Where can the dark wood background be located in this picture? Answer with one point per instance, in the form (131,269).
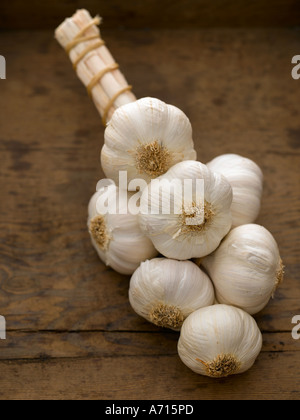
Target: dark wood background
(140,14)
(71,333)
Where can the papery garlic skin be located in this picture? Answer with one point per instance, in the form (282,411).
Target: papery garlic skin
(165,291)
(246,180)
(145,138)
(170,234)
(218,341)
(246,269)
(117,238)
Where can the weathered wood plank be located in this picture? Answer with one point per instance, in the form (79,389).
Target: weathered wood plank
(274,376)
(56,345)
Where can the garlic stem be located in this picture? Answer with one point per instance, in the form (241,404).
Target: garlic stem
(93,61)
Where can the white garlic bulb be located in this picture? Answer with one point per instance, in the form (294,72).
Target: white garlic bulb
(219,341)
(246,180)
(145,138)
(199,227)
(165,291)
(117,238)
(246,269)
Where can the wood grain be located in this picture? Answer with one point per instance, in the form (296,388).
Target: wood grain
(162,377)
(71,331)
(16,14)
(46,345)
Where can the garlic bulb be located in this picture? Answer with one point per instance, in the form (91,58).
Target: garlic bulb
(246,269)
(219,341)
(198,228)
(165,291)
(145,138)
(117,238)
(246,180)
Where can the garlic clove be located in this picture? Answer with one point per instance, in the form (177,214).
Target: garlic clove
(171,233)
(117,238)
(246,180)
(246,269)
(218,341)
(165,291)
(145,138)
(178,135)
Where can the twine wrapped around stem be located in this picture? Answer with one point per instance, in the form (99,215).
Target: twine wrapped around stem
(94,64)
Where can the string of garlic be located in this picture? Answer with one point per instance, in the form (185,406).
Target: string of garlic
(152,140)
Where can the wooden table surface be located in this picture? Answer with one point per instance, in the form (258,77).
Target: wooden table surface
(71,333)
